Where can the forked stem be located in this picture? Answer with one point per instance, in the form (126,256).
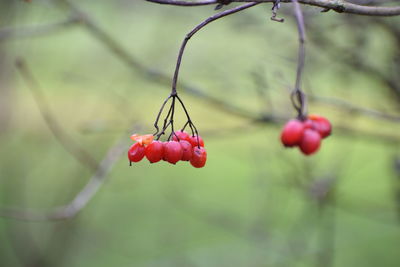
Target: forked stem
(159,114)
(169,119)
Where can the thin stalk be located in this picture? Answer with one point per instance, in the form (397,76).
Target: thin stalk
(195,30)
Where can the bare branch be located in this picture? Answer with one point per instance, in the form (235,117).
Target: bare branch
(340,6)
(103,37)
(184,3)
(30,31)
(78,152)
(371,2)
(81,199)
(95,182)
(350,107)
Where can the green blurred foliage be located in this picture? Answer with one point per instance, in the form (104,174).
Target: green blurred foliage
(255,203)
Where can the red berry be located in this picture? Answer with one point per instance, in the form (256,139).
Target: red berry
(180,135)
(309,124)
(155,151)
(196,141)
(136,152)
(321,125)
(292,133)
(173,152)
(310,142)
(187,150)
(164,149)
(199,157)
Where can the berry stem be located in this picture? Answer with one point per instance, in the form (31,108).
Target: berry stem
(298,97)
(195,30)
(191,125)
(159,114)
(166,123)
(172,118)
(169,119)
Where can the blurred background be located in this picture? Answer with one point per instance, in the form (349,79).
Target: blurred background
(78,78)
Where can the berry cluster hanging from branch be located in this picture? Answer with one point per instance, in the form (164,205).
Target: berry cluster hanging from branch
(179,145)
(306,131)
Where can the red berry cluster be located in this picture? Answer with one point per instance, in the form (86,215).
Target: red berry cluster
(182,147)
(306,134)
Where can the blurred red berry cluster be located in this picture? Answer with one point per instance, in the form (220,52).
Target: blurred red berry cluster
(182,147)
(306,134)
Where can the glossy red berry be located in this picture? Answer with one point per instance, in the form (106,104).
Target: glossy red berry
(196,141)
(136,152)
(310,142)
(180,135)
(321,125)
(173,152)
(199,157)
(309,124)
(164,149)
(292,133)
(154,151)
(187,150)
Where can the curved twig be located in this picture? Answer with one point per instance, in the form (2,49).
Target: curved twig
(77,151)
(196,29)
(31,31)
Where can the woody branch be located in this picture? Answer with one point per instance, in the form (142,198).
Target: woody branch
(340,6)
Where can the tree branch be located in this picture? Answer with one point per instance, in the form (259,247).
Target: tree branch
(77,151)
(30,31)
(340,6)
(351,108)
(184,3)
(80,200)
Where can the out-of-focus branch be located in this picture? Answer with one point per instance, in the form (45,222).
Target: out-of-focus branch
(371,2)
(396,183)
(340,6)
(31,31)
(357,62)
(78,152)
(103,37)
(351,108)
(81,199)
(100,170)
(262,89)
